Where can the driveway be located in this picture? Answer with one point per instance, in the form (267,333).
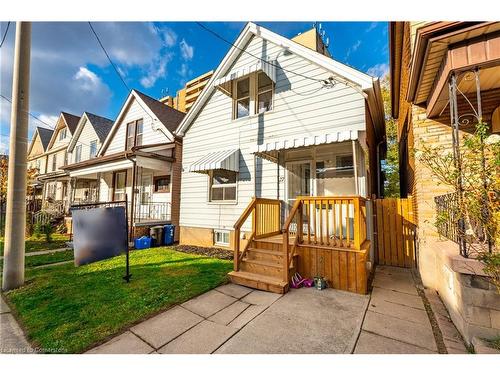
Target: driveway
(235,319)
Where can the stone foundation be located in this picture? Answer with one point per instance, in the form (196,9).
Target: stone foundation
(473,302)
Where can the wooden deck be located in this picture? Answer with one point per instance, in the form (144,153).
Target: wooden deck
(333,246)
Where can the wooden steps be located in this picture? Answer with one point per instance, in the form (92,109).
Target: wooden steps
(261,282)
(262,266)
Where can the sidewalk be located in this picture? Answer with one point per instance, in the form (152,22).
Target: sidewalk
(43,252)
(12,340)
(236,319)
(397,320)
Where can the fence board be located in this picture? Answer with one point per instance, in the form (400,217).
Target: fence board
(395,228)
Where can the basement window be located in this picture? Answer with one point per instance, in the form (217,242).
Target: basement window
(221,237)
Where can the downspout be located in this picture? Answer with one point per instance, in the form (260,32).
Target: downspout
(379,169)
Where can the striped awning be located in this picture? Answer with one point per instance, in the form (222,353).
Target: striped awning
(303,141)
(224,83)
(228,160)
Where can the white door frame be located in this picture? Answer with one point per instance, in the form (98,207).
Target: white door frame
(311,179)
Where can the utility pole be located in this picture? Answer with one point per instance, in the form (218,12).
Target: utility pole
(15,222)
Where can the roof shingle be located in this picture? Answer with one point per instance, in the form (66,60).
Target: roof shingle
(101,125)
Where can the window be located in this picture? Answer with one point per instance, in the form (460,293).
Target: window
(62,134)
(221,237)
(162,184)
(78,153)
(38,164)
(495,121)
(222,185)
(119,184)
(54,162)
(93,148)
(134,134)
(264,100)
(344,165)
(242,102)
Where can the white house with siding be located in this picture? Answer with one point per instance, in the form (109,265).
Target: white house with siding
(280,121)
(138,160)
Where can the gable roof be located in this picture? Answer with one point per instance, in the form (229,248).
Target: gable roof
(168,117)
(71,122)
(367,85)
(44,134)
(101,125)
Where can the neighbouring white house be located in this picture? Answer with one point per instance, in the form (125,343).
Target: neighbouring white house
(89,135)
(284,137)
(55,180)
(37,160)
(139,161)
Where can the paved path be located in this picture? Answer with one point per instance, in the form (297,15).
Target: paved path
(235,319)
(12,338)
(43,252)
(396,320)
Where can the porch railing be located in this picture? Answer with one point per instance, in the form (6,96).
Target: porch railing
(152,211)
(335,222)
(266,221)
(447,217)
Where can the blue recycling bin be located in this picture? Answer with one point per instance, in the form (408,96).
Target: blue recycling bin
(168,234)
(143,242)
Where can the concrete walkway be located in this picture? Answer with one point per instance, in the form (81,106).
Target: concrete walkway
(43,252)
(235,319)
(396,320)
(12,340)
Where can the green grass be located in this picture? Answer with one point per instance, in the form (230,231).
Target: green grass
(39,244)
(39,260)
(68,309)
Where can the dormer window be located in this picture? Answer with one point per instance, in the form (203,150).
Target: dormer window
(78,153)
(242,100)
(62,134)
(93,148)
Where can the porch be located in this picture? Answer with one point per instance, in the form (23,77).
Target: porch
(321,236)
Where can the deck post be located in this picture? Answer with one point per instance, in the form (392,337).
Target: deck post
(236,249)
(357,229)
(285,255)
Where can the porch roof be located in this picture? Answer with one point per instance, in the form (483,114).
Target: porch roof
(304,141)
(224,83)
(227,159)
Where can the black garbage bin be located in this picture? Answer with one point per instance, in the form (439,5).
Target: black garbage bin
(156,234)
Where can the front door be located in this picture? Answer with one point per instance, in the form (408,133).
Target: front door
(145,197)
(299,181)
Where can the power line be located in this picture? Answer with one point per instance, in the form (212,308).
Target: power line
(255,56)
(107,55)
(5,34)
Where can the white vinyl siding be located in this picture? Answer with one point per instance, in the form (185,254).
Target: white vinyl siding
(149,136)
(86,139)
(300,106)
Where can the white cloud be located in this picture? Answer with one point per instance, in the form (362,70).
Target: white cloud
(170,37)
(88,80)
(371,27)
(187,51)
(378,70)
(353,48)
(48,119)
(157,70)
(4,145)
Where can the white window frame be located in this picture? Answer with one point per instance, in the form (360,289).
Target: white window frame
(62,134)
(222,186)
(257,93)
(222,233)
(93,143)
(236,99)
(78,153)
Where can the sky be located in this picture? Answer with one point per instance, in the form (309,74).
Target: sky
(70,72)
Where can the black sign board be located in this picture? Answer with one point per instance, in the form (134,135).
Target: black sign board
(99,233)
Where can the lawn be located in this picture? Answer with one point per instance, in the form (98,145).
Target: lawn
(39,260)
(68,309)
(39,244)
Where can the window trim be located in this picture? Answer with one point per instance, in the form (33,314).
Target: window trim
(257,93)
(223,232)
(115,173)
(61,132)
(93,142)
(134,123)
(78,155)
(236,99)
(155,187)
(222,201)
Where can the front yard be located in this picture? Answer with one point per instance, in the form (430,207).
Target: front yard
(38,244)
(68,309)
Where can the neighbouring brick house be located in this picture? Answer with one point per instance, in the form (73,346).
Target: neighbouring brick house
(431,63)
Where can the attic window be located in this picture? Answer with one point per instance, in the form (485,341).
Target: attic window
(134,134)
(242,99)
(62,134)
(264,93)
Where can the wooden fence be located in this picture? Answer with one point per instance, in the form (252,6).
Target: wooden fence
(395,234)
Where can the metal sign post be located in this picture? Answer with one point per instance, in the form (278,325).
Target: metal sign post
(127,262)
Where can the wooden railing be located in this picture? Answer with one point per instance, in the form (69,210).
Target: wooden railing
(336,222)
(266,221)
